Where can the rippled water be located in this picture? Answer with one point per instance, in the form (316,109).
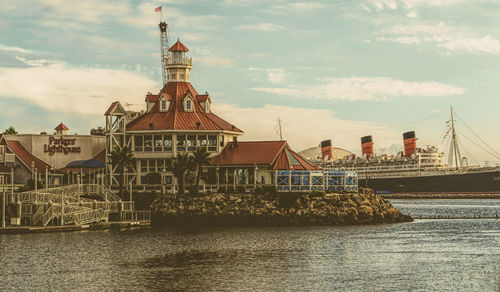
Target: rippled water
(445,255)
(449,208)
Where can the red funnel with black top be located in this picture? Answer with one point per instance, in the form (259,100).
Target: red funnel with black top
(410,143)
(326,150)
(367,146)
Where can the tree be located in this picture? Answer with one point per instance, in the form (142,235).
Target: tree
(200,157)
(123,159)
(98,132)
(180,166)
(43,133)
(10,130)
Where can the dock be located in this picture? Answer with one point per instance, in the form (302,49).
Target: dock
(69,208)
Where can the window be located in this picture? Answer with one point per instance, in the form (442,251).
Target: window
(152,166)
(138,143)
(148,143)
(168,179)
(1,149)
(207,106)
(181,143)
(158,143)
(202,141)
(163,105)
(191,142)
(144,165)
(212,143)
(188,105)
(167,142)
(159,165)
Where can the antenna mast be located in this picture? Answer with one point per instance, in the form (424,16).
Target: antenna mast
(454,137)
(164,49)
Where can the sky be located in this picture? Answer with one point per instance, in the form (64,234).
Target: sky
(332,69)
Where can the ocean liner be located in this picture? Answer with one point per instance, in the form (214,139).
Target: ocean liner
(415,169)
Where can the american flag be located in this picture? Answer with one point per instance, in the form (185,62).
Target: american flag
(158,9)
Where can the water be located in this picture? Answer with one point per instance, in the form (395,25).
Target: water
(446,255)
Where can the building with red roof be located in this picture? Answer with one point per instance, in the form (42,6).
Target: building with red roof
(255,162)
(175,120)
(46,155)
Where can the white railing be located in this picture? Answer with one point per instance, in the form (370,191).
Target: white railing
(85,216)
(137,216)
(180,61)
(38,214)
(7,158)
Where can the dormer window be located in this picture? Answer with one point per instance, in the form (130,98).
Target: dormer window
(163,105)
(188,105)
(207,106)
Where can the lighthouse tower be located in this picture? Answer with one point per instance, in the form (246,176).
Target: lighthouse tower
(177,65)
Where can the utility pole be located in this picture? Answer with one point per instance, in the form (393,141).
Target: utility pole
(279,124)
(454,137)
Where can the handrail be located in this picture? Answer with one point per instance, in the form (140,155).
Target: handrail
(47,216)
(38,214)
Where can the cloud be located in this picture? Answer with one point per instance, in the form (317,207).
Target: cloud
(276,75)
(14,49)
(365,88)
(262,27)
(213,61)
(56,86)
(301,126)
(380,5)
(446,37)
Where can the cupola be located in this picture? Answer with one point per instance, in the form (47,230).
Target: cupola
(178,65)
(61,129)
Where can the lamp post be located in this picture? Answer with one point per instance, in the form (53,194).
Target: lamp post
(163,182)
(36,181)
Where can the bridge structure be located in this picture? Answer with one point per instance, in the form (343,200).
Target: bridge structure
(76,204)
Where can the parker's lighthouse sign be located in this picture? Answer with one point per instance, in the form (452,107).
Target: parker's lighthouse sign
(61,145)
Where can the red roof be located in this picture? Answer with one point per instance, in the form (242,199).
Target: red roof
(176,118)
(276,154)
(151,97)
(178,47)
(203,97)
(110,108)
(25,156)
(61,127)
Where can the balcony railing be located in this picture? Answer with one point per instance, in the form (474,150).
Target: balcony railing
(7,158)
(180,61)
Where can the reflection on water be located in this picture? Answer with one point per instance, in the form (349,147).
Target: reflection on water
(422,255)
(449,208)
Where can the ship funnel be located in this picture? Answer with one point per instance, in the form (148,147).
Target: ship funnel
(367,146)
(326,150)
(410,143)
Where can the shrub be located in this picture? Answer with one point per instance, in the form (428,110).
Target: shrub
(317,194)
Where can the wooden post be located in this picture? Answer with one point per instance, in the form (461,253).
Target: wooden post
(46,176)
(36,181)
(130,191)
(3,204)
(12,184)
(62,208)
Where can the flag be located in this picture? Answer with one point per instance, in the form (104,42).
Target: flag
(158,9)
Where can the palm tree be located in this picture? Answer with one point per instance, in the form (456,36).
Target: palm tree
(200,157)
(180,165)
(123,159)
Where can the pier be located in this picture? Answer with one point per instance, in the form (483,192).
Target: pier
(70,207)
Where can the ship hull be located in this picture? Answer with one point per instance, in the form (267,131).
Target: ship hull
(466,182)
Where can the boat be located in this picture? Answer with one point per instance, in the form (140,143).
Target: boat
(415,169)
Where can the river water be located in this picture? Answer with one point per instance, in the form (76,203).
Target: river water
(445,255)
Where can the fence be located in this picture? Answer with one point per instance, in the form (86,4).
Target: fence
(316,180)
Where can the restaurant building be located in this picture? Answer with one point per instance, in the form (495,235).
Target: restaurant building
(46,156)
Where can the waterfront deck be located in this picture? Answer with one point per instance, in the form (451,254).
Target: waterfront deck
(71,207)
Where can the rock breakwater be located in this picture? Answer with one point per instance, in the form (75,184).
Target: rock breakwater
(277,209)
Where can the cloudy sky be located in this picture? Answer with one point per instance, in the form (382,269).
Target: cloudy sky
(328,69)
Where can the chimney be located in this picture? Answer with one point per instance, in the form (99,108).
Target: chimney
(326,150)
(410,143)
(235,141)
(367,146)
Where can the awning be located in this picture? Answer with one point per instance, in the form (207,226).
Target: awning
(91,163)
